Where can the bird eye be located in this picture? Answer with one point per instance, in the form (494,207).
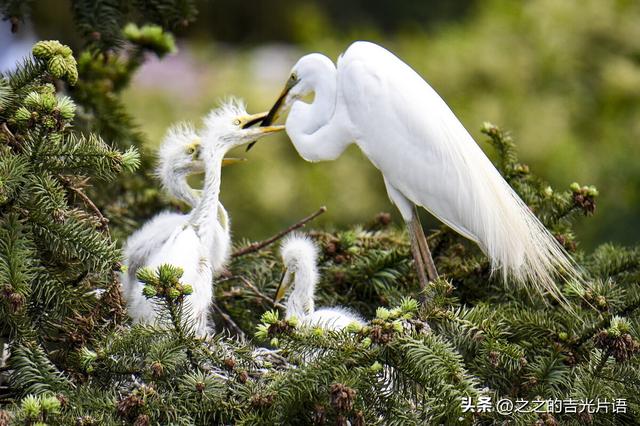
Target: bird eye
(191,150)
(293,77)
(236,122)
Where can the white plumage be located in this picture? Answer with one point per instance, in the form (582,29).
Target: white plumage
(178,157)
(299,255)
(198,242)
(426,156)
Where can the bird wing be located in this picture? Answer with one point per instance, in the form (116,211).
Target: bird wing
(183,248)
(405,129)
(335,318)
(148,239)
(425,153)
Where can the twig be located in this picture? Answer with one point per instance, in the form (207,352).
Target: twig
(11,138)
(103,220)
(258,292)
(232,324)
(262,244)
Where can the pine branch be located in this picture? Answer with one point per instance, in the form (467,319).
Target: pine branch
(104,221)
(260,245)
(606,322)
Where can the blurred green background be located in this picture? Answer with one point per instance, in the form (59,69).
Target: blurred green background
(563,76)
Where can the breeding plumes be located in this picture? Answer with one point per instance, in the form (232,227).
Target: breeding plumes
(426,156)
(199,241)
(299,256)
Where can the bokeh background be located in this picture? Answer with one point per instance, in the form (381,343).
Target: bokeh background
(563,76)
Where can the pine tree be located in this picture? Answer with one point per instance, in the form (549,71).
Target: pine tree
(54,244)
(68,196)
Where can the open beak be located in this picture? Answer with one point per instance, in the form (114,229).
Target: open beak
(252,134)
(274,112)
(231,161)
(285,281)
(253,119)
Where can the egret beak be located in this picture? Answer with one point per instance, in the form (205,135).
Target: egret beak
(231,161)
(285,281)
(253,119)
(274,112)
(252,134)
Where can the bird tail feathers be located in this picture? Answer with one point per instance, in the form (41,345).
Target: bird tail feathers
(516,242)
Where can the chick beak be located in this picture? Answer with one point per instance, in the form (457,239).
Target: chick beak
(255,133)
(231,161)
(282,287)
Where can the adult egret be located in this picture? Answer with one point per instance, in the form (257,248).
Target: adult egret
(199,244)
(426,156)
(299,256)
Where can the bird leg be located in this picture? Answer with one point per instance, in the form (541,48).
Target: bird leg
(424,247)
(417,257)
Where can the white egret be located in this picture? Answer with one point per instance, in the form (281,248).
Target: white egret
(178,158)
(426,156)
(200,243)
(299,256)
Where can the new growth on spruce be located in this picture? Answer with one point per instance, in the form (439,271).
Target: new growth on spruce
(55,248)
(68,198)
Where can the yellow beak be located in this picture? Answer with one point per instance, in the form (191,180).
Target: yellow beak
(231,161)
(282,287)
(253,119)
(274,112)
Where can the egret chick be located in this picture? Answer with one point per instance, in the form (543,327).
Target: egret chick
(299,255)
(178,157)
(200,243)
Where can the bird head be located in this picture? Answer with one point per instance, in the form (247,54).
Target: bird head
(179,154)
(299,255)
(229,126)
(301,83)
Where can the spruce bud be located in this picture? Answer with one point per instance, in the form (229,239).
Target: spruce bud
(149,291)
(57,66)
(47,48)
(22,114)
(376,367)
(50,404)
(382,313)
(31,406)
(66,107)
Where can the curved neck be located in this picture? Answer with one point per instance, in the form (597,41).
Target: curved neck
(181,190)
(313,116)
(301,303)
(206,211)
(313,128)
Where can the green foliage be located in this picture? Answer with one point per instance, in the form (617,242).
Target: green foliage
(54,248)
(75,360)
(150,37)
(101,21)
